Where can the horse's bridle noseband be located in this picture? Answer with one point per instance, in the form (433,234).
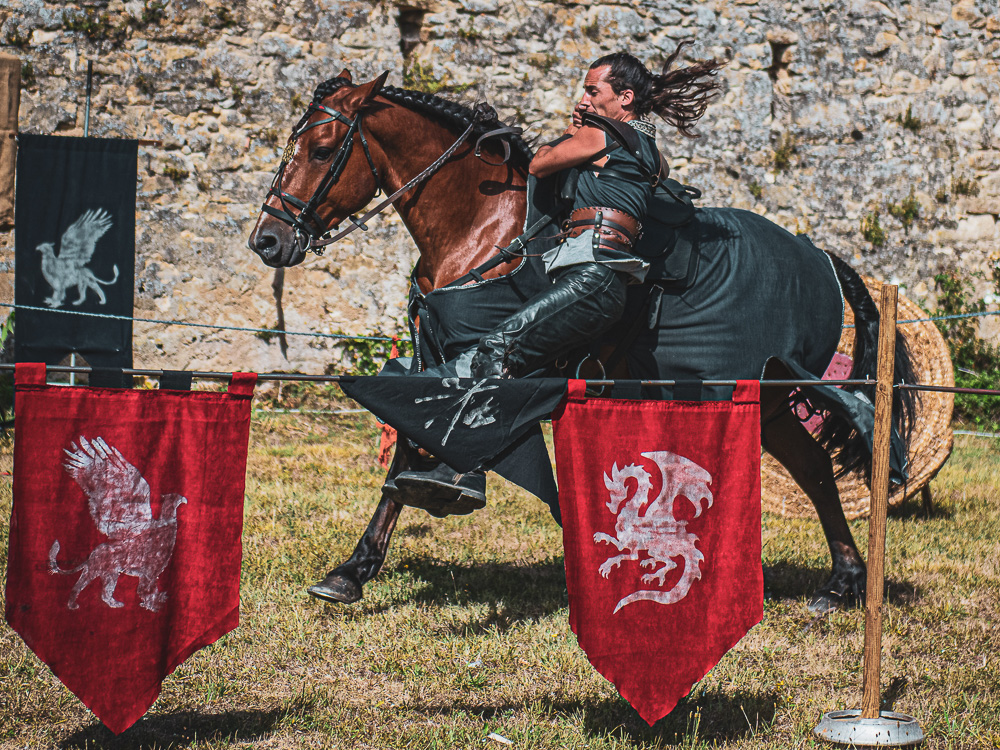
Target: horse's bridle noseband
(310,230)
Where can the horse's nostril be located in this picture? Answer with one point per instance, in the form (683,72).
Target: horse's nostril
(265,241)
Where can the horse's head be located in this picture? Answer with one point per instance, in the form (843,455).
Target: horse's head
(326,174)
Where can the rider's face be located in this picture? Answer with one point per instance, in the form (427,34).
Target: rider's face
(600,98)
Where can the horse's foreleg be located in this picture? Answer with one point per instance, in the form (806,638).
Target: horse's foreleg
(343,583)
(790,443)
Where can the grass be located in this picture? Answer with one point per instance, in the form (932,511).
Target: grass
(465,633)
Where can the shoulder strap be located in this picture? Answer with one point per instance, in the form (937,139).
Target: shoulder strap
(620,132)
(625,137)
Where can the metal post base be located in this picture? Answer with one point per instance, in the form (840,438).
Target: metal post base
(889,730)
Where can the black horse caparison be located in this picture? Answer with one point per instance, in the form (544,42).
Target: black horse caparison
(358,139)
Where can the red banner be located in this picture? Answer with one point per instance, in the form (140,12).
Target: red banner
(660,503)
(387,437)
(125,548)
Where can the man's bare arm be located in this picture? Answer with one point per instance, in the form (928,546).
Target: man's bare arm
(583,145)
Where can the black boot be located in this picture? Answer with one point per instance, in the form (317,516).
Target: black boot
(584,301)
(437,488)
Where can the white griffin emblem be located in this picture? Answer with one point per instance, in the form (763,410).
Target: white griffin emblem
(75,251)
(656,531)
(138,545)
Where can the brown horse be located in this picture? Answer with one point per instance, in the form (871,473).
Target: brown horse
(358,139)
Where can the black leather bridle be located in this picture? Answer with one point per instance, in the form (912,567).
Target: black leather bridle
(310,230)
(309,227)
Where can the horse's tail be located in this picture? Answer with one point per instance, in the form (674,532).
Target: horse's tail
(837,434)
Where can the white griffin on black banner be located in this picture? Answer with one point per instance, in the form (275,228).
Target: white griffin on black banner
(69,267)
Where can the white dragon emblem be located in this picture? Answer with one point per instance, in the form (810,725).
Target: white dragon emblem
(75,251)
(138,545)
(656,531)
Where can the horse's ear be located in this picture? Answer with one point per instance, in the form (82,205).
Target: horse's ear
(345,73)
(367,91)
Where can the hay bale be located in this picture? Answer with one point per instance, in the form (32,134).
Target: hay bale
(930,444)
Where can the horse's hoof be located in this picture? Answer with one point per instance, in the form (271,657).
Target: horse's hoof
(836,595)
(336,588)
(824,602)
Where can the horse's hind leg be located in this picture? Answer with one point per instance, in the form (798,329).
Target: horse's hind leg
(343,583)
(790,443)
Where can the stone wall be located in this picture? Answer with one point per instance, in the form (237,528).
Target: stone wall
(831,112)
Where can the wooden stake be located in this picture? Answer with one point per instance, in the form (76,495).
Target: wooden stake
(879,502)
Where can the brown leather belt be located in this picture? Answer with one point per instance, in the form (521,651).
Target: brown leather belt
(613,229)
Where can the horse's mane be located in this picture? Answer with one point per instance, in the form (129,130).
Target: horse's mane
(453,115)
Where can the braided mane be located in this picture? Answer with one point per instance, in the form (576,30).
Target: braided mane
(453,115)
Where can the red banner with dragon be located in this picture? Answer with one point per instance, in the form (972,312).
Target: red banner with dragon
(660,503)
(125,548)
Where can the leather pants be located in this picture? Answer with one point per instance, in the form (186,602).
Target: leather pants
(585,300)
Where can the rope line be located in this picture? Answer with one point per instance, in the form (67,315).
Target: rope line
(943,317)
(347,337)
(269,331)
(306,378)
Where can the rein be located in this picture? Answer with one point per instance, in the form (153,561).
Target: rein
(309,228)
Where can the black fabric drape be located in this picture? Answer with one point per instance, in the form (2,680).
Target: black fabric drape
(74,248)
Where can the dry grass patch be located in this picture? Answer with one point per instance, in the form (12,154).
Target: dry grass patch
(465,631)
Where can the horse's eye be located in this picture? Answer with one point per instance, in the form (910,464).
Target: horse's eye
(322,154)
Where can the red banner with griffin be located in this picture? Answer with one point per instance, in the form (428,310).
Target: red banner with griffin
(660,503)
(125,547)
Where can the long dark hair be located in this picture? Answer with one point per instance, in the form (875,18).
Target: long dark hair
(678,96)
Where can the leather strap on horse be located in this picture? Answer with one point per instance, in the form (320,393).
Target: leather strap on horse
(431,169)
(511,252)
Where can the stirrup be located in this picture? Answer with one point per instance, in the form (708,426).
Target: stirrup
(590,391)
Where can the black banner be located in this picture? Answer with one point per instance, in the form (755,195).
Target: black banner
(74,235)
(462,421)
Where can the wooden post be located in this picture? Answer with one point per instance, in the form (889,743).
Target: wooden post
(10,99)
(879,502)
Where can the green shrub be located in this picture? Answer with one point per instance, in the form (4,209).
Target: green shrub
(907,211)
(152,12)
(963,185)
(15,38)
(175,173)
(28,75)
(366,356)
(783,152)
(871,229)
(908,121)
(96,26)
(6,378)
(977,363)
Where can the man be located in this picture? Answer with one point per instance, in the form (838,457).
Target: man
(595,262)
